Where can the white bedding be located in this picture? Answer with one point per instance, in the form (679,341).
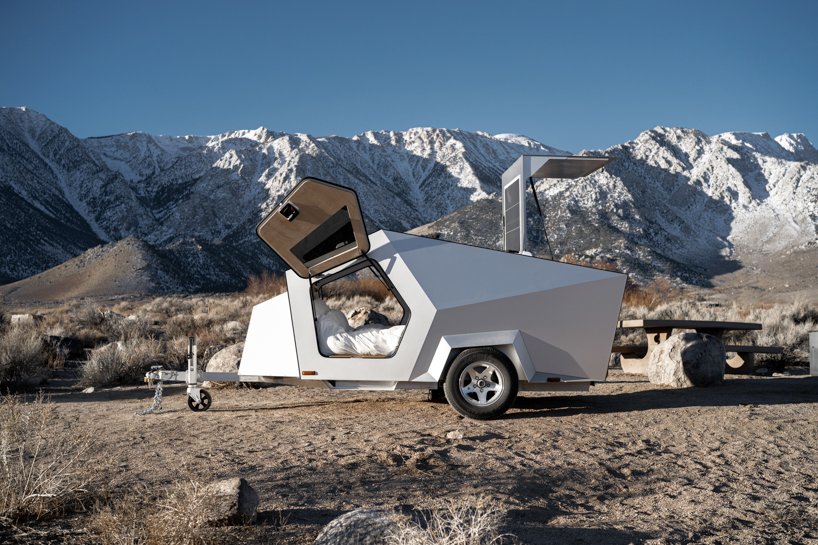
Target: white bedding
(335,336)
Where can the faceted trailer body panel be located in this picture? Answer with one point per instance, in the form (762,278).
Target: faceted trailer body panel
(553,321)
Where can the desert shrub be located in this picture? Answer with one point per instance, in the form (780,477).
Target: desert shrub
(183,325)
(651,295)
(176,353)
(23,358)
(125,362)
(87,323)
(267,283)
(802,313)
(179,517)
(787,326)
(457,523)
(43,465)
(131,328)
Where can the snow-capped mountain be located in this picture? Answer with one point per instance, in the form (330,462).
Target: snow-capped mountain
(199,198)
(676,201)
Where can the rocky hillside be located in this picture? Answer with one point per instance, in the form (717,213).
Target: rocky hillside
(675,202)
(198,199)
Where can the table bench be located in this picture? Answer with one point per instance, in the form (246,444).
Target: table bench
(657,331)
(744,358)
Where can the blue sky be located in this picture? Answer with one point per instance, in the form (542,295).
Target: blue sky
(573,75)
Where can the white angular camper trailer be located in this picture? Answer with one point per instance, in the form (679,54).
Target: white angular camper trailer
(479,324)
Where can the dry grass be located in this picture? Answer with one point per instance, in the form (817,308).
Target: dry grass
(458,523)
(651,295)
(121,523)
(267,284)
(180,517)
(24,358)
(367,287)
(44,467)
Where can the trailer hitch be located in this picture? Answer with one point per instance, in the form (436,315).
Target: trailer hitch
(154,376)
(197,398)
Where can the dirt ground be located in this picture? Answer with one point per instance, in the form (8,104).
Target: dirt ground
(628,462)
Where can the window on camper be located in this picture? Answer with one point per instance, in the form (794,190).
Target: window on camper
(358,312)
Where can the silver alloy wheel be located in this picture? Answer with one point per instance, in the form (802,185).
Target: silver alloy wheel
(480,383)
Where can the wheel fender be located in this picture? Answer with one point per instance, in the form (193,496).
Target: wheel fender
(509,343)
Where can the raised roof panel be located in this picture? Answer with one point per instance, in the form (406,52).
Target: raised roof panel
(316,227)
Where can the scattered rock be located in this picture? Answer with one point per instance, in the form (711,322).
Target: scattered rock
(230,502)
(455,435)
(364,316)
(26,319)
(360,527)
(89,390)
(688,359)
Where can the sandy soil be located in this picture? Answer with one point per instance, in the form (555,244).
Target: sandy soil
(629,462)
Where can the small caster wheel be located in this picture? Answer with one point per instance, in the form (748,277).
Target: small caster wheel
(202,405)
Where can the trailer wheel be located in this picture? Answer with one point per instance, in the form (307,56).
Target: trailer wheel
(481,383)
(203,404)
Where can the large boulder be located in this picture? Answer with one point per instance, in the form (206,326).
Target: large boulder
(688,359)
(224,361)
(230,502)
(360,527)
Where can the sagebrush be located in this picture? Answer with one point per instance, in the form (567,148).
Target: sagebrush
(44,464)
(124,362)
(24,358)
(461,522)
(179,517)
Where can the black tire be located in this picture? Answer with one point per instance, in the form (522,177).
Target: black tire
(202,405)
(481,383)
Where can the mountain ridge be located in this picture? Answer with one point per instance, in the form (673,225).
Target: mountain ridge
(676,201)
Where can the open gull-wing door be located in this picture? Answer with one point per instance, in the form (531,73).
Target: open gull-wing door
(316,227)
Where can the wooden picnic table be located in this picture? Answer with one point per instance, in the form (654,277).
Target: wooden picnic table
(657,331)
